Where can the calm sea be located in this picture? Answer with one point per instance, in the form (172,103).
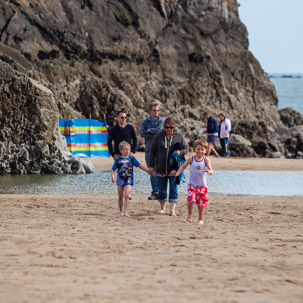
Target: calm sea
(289,89)
(256,183)
(290,93)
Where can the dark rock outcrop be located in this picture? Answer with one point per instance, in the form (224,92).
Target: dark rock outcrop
(290,117)
(240,146)
(98,56)
(292,140)
(30,138)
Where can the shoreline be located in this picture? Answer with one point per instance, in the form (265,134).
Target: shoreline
(231,176)
(228,164)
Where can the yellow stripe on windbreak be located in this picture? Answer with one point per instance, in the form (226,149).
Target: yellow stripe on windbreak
(87,148)
(75,128)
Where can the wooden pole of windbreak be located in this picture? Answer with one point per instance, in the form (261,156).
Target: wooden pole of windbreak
(89,134)
(69,133)
(104,117)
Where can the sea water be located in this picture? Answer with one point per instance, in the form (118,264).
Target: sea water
(257,183)
(289,88)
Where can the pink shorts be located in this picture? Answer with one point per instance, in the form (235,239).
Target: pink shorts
(197,194)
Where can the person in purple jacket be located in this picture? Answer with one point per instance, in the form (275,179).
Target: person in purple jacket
(224,130)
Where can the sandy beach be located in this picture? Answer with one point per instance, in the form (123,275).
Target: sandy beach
(76,248)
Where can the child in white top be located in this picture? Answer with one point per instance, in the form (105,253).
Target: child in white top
(197,189)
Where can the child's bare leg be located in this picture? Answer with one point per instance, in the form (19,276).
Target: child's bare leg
(172,207)
(215,152)
(126,193)
(163,206)
(201,210)
(120,199)
(190,211)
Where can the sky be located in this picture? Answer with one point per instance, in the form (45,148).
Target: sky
(275,33)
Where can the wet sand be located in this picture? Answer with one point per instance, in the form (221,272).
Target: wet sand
(76,248)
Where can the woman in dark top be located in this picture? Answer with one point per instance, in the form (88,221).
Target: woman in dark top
(163,145)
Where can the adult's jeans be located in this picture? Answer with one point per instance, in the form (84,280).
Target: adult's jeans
(224,147)
(173,189)
(153,178)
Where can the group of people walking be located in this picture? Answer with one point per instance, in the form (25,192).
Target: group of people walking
(165,151)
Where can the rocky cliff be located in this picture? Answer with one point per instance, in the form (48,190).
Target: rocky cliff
(30,139)
(95,57)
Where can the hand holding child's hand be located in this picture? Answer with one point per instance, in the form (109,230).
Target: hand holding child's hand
(174,173)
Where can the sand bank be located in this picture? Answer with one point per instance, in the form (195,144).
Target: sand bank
(75,248)
(258,164)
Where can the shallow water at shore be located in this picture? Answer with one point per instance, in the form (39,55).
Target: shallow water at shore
(256,183)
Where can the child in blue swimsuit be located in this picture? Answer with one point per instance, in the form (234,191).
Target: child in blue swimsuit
(125,175)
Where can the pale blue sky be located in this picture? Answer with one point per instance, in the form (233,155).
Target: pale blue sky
(275,33)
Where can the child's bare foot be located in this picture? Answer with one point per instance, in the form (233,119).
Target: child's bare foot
(173,214)
(126,215)
(121,213)
(189,219)
(162,211)
(200,222)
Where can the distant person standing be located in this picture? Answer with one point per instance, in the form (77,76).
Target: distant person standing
(149,128)
(121,132)
(224,130)
(212,133)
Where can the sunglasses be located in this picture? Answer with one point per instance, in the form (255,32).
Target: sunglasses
(124,117)
(156,110)
(171,127)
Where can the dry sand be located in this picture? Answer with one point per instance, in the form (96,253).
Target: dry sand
(76,248)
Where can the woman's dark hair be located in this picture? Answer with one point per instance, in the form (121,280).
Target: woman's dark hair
(169,122)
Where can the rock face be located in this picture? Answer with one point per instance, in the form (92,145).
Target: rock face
(30,138)
(290,117)
(97,57)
